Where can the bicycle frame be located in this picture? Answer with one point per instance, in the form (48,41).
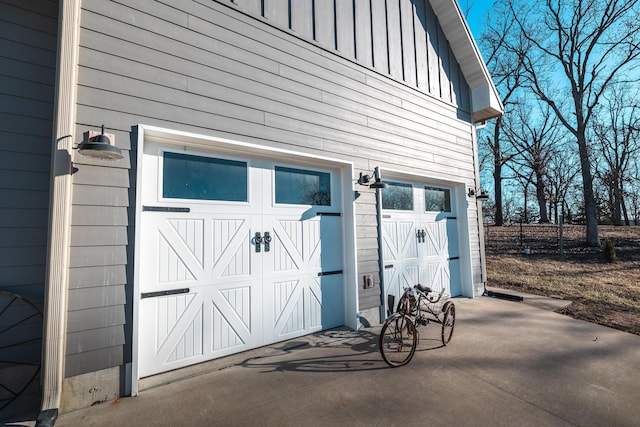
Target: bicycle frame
(418,304)
(399,334)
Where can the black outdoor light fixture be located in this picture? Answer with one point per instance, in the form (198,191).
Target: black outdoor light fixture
(365,179)
(482,196)
(100,147)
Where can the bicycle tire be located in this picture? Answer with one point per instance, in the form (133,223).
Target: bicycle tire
(20,327)
(398,340)
(448,322)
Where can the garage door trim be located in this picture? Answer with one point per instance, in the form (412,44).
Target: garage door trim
(459,200)
(164,136)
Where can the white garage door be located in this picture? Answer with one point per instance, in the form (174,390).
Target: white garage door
(236,253)
(420,238)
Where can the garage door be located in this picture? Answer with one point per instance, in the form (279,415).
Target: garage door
(420,238)
(236,253)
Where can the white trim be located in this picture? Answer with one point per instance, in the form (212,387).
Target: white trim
(135,376)
(174,137)
(57,278)
(168,136)
(464,240)
(478,203)
(412,176)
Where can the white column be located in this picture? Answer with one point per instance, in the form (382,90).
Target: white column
(57,278)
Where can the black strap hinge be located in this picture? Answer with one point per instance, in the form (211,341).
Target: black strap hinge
(164,293)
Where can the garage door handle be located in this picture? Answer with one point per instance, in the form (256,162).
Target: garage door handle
(257,238)
(267,241)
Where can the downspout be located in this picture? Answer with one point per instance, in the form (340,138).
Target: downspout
(383,287)
(57,276)
(476,167)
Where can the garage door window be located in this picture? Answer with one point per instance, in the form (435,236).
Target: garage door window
(186,176)
(302,187)
(398,196)
(437,199)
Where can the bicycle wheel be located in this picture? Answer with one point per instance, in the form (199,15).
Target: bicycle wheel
(20,344)
(398,340)
(448,322)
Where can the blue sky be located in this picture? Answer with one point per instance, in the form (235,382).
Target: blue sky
(477,16)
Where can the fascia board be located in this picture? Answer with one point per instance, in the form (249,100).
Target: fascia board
(484,93)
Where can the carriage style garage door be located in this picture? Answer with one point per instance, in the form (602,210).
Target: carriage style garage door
(236,253)
(420,238)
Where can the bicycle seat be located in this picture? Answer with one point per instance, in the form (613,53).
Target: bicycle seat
(424,289)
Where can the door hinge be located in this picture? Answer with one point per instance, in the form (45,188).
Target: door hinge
(164,209)
(164,293)
(329,273)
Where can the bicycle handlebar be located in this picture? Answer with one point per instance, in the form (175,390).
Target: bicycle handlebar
(424,289)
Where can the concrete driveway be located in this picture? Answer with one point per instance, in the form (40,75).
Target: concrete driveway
(509,364)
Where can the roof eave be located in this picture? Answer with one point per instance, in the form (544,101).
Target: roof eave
(485,99)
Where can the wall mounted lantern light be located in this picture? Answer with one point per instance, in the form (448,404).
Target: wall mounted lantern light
(365,179)
(482,196)
(99,147)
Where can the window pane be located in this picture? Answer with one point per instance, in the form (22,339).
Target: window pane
(302,187)
(397,196)
(186,176)
(437,199)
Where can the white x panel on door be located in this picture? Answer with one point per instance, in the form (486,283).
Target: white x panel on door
(419,246)
(218,277)
(203,264)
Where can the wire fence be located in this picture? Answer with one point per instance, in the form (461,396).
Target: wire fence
(530,238)
(553,239)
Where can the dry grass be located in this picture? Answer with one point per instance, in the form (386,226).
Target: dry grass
(601,292)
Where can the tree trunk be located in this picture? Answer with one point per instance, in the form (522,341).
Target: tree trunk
(497,189)
(617,203)
(526,213)
(625,213)
(542,200)
(590,209)
(497,173)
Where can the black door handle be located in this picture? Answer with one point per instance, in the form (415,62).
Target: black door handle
(267,241)
(258,240)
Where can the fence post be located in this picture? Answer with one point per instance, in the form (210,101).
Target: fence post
(521,233)
(561,236)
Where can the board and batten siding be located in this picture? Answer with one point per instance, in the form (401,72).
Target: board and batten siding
(399,38)
(211,69)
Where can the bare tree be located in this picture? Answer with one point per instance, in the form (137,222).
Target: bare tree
(535,133)
(561,174)
(502,46)
(523,179)
(580,47)
(466,8)
(616,129)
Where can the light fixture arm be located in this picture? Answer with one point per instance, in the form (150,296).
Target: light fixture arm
(365,179)
(481,195)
